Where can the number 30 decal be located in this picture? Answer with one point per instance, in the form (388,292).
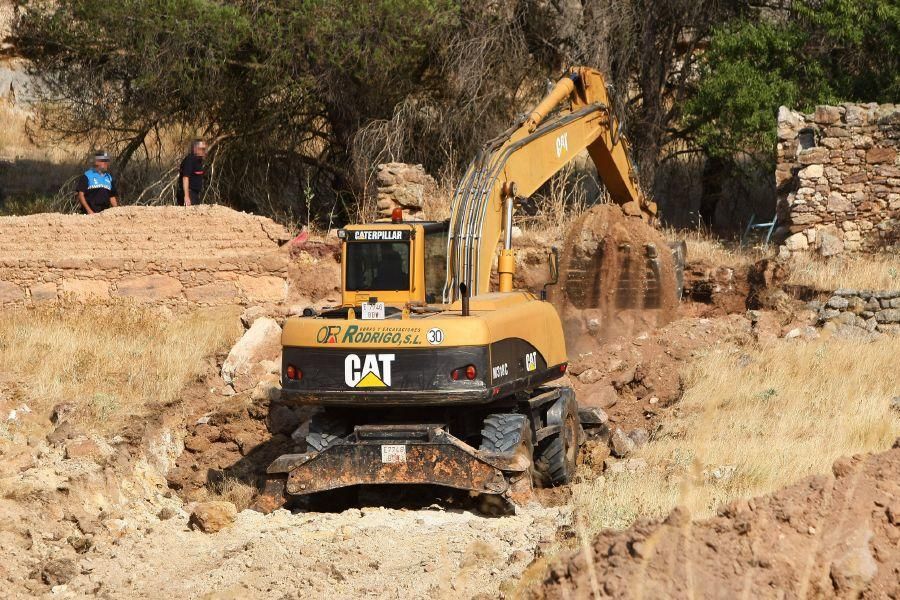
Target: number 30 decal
(435,336)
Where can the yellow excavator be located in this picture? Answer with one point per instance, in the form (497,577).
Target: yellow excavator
(424,374)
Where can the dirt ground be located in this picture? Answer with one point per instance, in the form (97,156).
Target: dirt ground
(834,535)
(108,515)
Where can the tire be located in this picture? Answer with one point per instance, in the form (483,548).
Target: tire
(503,433)
(557,456)
(509,434)
(324,430)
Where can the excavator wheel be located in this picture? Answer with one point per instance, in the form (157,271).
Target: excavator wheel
(504,433)
(557,456)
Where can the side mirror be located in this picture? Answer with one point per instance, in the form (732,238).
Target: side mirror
(553,263)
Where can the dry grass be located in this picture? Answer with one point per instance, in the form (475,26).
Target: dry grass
(230,489)
(763,418)
(111,362)
(878,272)
(703,247)
(557,209)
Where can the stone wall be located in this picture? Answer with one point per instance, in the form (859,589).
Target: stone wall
(206,255)
(403,186)
(838,178)
(870,310)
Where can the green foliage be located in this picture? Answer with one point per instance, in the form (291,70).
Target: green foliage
(827,51)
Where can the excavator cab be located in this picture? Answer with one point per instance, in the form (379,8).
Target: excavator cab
(397,263)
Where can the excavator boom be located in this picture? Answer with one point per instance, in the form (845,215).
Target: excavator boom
(516,163)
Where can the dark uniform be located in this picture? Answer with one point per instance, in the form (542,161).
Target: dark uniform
(192,168)
(97,188)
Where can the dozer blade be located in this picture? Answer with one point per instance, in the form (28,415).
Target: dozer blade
(416,454)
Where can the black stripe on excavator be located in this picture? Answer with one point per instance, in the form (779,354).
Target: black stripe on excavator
(343,377)
(514,358)
(369,371)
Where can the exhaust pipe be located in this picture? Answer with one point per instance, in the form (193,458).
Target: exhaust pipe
(464,293)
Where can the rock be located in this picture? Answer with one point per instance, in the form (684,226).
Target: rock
(639,436)
(196,443)
(603,396)
(261,342)
(282,419)
(62,412)
(271,366)
(854,569)
(62,433)
(890,315)
(621,444)
(812,172)
(593,416)
(590,376)
(827,314)
(251,314)
(58,571)
(796,242)
(82,448)
(79,543)
(838,203)
(827,115)
(895,403)
(829,243)
(881,155)
(267,390)
(165,513)
(789,123)
(838,302)
(212,517)
(813,156)
(807,333)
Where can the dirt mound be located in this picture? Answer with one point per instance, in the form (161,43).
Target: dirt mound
(827,536)
(617,275)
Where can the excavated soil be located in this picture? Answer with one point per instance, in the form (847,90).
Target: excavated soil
(617,277)
(828,536)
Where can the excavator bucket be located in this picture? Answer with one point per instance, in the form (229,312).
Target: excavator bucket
(618,275)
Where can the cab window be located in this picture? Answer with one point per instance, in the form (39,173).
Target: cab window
(377,266)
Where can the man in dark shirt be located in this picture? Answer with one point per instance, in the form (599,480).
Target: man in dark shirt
(96,189)
(190,175)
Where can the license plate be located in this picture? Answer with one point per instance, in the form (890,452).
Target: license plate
(393,453)
(372,311)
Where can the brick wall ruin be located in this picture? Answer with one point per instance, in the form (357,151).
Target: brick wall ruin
(399,185)
(838,178)
(869,310)
(206,255)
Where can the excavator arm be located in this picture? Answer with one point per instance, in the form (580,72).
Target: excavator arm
(516,163)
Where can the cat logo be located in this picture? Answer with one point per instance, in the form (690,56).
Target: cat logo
(371,371)
(531,361)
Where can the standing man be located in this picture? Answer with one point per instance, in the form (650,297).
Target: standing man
(190,175)
(96,189)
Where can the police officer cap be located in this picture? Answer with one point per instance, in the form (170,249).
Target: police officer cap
(101,155)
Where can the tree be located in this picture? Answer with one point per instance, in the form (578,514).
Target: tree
(824,51)
(280,86)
